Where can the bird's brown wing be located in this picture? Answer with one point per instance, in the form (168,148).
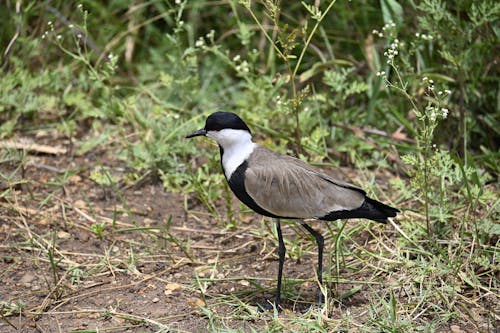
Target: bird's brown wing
(286,186)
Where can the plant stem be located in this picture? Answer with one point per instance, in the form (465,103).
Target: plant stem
(276,48)
(309,38)
(426,187)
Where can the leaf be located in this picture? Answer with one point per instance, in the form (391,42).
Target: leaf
(91,143)
(391,11)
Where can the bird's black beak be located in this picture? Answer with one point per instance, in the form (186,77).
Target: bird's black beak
(197,133)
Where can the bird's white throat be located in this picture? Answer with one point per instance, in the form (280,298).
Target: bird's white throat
(237,146)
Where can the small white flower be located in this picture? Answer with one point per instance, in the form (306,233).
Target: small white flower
(425,78)
(71,26)
(380,34)
(445,112)
(79,36)
(432,115)
(181,23)
(440,92)
(244,66)
(447,91)
(417,34)
(80,6)
(236,58)
(211,34)
(177,2)
(200,42)
(49,23)
(59,37)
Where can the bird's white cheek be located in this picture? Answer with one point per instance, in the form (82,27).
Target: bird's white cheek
(212,135)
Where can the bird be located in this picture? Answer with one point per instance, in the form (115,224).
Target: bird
(284,187)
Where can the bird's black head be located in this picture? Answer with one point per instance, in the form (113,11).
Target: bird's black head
(221,120)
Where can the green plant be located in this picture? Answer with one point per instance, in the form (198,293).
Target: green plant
(56,290)
(287,41)
(98,229)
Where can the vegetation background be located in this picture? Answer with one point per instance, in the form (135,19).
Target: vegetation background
(405,92)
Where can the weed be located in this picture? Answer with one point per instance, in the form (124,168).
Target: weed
(98,229)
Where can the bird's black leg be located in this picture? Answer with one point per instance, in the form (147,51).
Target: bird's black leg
(281,254)
(320,241)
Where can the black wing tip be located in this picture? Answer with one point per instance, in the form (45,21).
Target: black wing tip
(378,211)
(370,209)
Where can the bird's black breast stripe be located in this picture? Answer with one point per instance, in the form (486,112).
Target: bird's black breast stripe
(237,185)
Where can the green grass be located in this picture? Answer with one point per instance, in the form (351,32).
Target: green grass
(401,97)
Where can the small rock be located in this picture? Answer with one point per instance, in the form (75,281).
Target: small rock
(173,286)
(456,329)
(75,179)
(43,222)
(82,235)
(27,279)
(80,204)
(63,234)
(195,301)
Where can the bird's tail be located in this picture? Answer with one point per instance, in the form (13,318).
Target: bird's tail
(376,211)
(370,209)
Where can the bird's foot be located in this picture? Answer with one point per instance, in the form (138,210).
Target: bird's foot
(321,299)
(268,306)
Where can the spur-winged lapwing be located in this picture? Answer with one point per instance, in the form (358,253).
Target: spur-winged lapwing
(282,186)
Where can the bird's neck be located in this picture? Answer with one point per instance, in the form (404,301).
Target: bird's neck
(234,152)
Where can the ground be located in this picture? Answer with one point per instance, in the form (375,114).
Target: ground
(79,257)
